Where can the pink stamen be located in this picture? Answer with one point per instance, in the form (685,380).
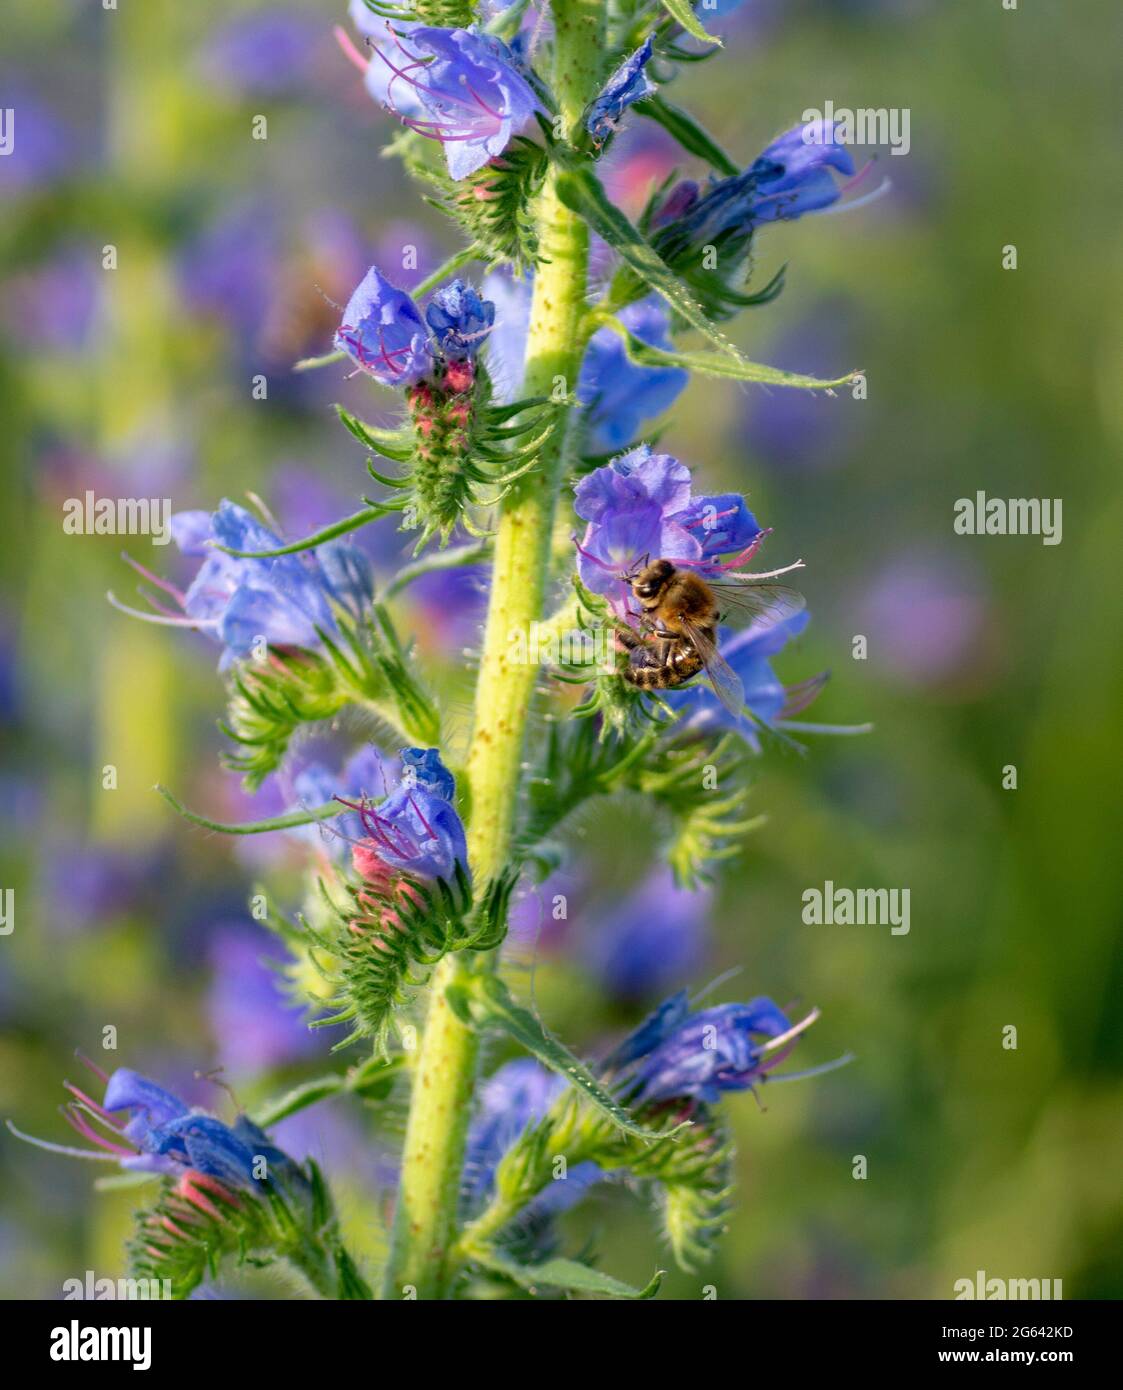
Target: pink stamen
(164,584)
(344,40)
(97,1071)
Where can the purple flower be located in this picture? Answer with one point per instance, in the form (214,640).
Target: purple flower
(618,395)
(748,653)
(519,1093)
(679,1055)
(472,97)
(148,1129)
(628,84)
(460,320)
(790,178)
(651,940)
(641,505)
(793,174)
(261,53)
(416,830)
(253,1023)
(238,601)
(383,332)
(361,778)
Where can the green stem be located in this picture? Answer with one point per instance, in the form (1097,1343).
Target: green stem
(445,1074)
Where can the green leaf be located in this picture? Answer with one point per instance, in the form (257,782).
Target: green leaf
(683,12)
(582,192)
(373,511)
(715,364)
(559,1273)
(689,134)
(258,827)
(392,444)
(488,1001)
(371,1079)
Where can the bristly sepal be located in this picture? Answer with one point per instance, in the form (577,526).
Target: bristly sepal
(198,1224)
(457,446)
(493,206)
(272,697)
(379,937)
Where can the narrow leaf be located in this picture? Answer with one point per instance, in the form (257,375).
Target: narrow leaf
(683,12)
(715,364)
(689,134)
(582,192)
(391,444)
(371,512)
(560,1273)
(488,1000)
(259,827)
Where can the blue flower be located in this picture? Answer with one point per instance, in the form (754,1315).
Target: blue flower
(513,1097)
(460,320)
(619,395)
(748,652)
(650,940)
(361,778)
(383,332)
(793,174)
(416,830)
(473,99)
(506,343)
(790,178)
(679,1055)
(628,84)
(641,505)
(148,1129)
(287,600)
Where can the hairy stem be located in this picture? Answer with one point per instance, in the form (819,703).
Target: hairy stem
(445,1074)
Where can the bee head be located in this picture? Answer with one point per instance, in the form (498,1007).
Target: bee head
(649,582)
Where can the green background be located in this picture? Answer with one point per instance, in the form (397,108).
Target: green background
(983,652)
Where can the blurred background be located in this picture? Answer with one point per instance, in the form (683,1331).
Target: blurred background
(134,129)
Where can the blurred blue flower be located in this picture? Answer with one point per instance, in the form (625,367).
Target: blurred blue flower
(460,320)
(679,1055)
(362,777)
(264,53)
(641,505)
(628,84)
(618,395)
(416,830)
(748,652)
(254,1024)
(471,95)
(650,940)
(511,1098)
(383,332)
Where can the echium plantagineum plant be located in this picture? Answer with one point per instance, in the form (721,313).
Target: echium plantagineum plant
(418,847)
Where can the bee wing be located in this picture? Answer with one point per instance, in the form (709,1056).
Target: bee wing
(725,681)
(764,604)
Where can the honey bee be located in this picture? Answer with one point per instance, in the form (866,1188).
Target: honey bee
(680,614)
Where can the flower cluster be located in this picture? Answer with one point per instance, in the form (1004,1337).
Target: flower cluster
(641,506)
(289,601)
(385,335)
